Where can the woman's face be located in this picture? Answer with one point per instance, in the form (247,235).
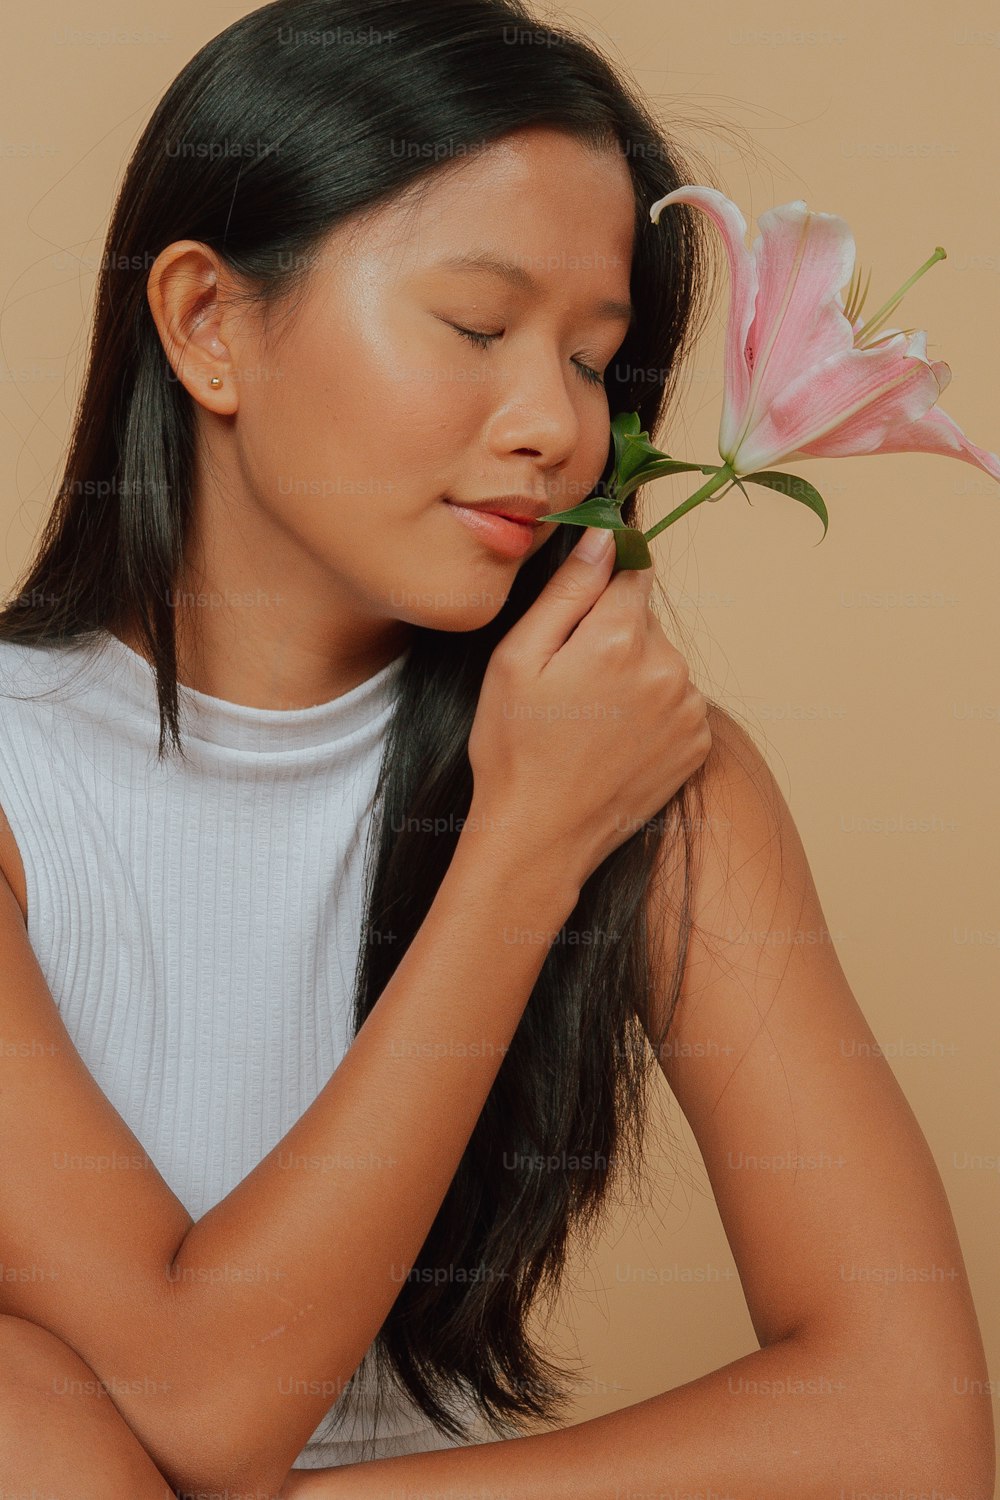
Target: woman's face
(367,406)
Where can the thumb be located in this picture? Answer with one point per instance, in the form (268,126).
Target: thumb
(573,589)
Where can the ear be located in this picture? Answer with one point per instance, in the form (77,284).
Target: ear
(182,290)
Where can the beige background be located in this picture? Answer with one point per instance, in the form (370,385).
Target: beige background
(866,667)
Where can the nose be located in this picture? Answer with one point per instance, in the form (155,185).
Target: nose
(536,414)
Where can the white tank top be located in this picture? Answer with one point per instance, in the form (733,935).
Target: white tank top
(198,924)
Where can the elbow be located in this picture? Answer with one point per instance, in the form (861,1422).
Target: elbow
(225,1480)
(208,1442)
(239,1481)
(967,1463)
(209,1460)
(231,1488)
(956,1458)
(965,1433)
(891,1455)
(920,1412)
(908,1430)
(966,1469)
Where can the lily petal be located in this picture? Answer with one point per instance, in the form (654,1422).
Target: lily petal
(742,295)
(803,260)
(855,402)
(936,432)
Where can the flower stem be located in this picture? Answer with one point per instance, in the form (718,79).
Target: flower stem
(719,478)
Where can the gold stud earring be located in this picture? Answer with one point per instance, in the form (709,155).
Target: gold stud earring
(216,381)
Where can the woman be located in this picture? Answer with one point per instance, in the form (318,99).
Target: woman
(446,758)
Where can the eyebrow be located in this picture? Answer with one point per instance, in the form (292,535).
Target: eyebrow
(510,271)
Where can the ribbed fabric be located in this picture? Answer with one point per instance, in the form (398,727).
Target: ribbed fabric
(199,924)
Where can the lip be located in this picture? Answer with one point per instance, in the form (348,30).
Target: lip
(512,507)
(508,537)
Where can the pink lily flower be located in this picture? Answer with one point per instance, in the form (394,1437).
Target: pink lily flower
(804,376)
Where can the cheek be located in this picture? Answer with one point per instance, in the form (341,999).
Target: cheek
(376,406)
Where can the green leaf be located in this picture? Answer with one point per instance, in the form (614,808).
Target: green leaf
(631,550)
(799,489)
(597,511)
(637,453)
(654,470)
(633,450)
(623,425)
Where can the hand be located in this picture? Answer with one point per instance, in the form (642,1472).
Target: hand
(587,721)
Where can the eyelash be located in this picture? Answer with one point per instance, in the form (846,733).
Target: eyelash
(483,341)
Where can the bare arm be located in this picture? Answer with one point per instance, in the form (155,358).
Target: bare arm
(199,1354)
(405,1098)
(804,1418)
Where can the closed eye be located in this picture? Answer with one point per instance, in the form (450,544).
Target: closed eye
(483,341)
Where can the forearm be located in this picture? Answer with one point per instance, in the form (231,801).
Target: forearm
(794,1421)
(331,1243)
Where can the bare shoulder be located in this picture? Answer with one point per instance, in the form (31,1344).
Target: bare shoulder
(743,812)
(751,900)
(735,763)
(732,802)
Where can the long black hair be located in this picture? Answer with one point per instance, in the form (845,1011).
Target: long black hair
(568,1106)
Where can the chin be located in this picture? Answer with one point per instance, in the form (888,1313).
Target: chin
(469,612)
(457,607)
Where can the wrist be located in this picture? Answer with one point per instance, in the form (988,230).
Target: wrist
(541,882)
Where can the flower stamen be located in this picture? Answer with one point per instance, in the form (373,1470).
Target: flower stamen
(863,335)
(855,301)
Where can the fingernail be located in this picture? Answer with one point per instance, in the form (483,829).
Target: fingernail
(594,543)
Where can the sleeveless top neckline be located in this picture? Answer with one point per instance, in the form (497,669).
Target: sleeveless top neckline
(238,726)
